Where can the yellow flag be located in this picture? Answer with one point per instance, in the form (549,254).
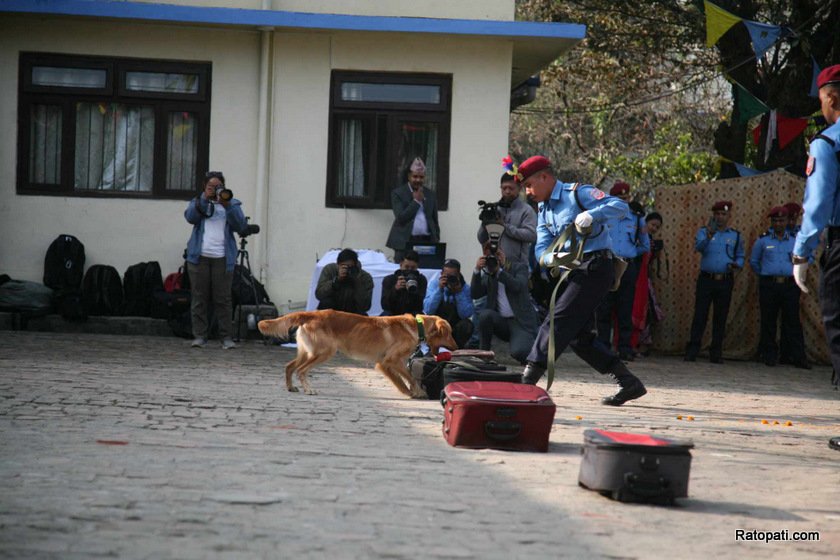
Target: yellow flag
(718,22)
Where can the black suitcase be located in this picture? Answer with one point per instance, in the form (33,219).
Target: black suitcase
(428,373)
(635,467)
(478,370)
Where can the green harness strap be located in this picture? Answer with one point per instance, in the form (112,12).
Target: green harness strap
(569,261)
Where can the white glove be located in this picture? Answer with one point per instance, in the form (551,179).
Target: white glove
(583,220)
(800,271)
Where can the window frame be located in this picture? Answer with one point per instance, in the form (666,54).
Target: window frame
(386,117)
(163,104)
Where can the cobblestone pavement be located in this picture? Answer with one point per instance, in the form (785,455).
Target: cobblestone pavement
(140,447)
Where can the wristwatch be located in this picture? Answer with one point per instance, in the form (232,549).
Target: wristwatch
(799,260)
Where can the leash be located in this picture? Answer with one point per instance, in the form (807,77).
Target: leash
(569,261)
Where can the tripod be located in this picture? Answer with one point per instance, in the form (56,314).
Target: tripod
(244,262)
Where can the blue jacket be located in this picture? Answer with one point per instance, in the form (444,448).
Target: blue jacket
(561,209)
(719,251)
(435,296)
(236,222)
(770,255)
(628,237)
(821,207)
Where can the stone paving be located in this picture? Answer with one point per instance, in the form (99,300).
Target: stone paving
(140,447)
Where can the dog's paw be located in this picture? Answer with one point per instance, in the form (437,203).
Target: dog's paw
(310,391)
(418,394)
(292,389)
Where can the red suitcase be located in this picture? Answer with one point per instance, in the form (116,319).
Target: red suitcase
(498,415)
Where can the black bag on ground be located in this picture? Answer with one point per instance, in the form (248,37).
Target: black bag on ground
(635,467)
(428,373)
(139,284)
(102,290)
(64,263)
(22,296)
(71,306)
(478,370)
(244,286)
(166,305)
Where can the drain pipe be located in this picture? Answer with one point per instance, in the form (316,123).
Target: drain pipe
(264,144)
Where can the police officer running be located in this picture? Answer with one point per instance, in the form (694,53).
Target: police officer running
(770,259)
(562,204)
(821,209)
(723,253)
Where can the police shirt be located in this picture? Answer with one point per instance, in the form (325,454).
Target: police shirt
(628,237)
(560,210)
(770,255)
(719,251)
(821,207)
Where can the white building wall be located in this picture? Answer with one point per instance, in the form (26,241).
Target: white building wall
(121,232)
(464,9)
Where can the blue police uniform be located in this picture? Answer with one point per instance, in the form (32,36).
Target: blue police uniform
(821,209)
(629,241)
(770,259)
(721,252)
(587,285)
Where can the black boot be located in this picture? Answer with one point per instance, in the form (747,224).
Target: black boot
(533,372)
(630,387)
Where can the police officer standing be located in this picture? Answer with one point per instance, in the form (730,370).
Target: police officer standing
(562,204)
(629,240)
(723,254)
(770,259)
(822,212)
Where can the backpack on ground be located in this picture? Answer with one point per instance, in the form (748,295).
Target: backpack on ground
(22,296)
(139,284)
(244,287)
(177,281)
(102,290)
(64,263)
(70,305)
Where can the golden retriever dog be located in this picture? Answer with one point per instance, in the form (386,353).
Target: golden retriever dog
(387,341)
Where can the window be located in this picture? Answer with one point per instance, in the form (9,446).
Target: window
(380,122)
(94,126)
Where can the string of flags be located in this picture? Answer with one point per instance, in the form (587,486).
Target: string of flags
(763,36)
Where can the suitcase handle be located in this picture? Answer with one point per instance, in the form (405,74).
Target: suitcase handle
(502,431)
(649,487)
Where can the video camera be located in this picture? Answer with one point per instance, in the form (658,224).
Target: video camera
(491,219)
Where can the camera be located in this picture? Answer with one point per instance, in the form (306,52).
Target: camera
(453,282)
(223,194)
(658,245)
(352,271)
(491,219)
(412,280)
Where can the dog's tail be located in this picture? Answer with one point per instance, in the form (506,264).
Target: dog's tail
(280,326)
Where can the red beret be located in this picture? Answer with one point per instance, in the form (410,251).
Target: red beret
(830,75)
(778,212)
(722,205)
(620,187)
(532,165)
(793,209)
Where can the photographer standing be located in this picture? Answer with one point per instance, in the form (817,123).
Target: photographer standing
(450,299)
(344,286)
(404,290)
(211,256)
(508,312)
(519,219)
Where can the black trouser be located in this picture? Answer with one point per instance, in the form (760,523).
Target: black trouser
(775,297)
(462,328)
(710,292)
(620,301)
(830,295)
(574,314)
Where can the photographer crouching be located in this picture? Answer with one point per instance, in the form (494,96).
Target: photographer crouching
(450,299)
(404,290)
(507,313)
(344,286)
(211,256)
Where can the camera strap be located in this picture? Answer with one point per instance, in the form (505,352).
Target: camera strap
(202,212)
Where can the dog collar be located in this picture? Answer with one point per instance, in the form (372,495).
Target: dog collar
(421,332)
